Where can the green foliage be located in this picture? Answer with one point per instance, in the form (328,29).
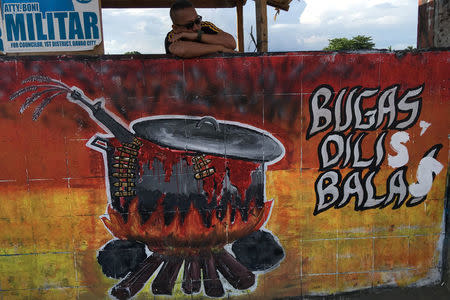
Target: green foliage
(359,42)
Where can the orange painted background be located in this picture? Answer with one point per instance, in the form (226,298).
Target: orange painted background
(53,193)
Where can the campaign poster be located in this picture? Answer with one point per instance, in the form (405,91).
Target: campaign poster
(49,26)
(1,39)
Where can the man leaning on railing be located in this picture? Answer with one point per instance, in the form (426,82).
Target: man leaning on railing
(192,37)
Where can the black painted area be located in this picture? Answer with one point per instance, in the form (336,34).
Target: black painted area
(148,201)
(180,202)
(258,251)
(119,257)
(228,197)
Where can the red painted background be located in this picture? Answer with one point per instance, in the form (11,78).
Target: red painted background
(52,187)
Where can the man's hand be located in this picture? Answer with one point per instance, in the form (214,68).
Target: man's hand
(221,38)
(228,50)
(188,49)
(190,36)
(193,44)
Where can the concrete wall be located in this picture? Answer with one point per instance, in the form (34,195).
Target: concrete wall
(433,24)
(325,173)
(442,38)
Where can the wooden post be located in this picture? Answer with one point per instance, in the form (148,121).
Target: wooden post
(240,25)
(261,25)
(425,24)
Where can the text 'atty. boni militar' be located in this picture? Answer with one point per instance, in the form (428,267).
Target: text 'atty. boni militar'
(48,26)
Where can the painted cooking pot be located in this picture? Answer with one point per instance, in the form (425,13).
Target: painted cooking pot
(187,182)
(182,183)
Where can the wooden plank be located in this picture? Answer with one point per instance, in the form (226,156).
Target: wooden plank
(240,25)
(281,4)
(261,25)
(135,280)
(165,3)
(425,24)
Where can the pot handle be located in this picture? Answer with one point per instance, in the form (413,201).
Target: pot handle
(100,142)
(210,120)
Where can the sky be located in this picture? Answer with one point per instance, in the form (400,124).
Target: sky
(308,25)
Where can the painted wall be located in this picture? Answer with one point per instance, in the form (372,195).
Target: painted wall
(327,171)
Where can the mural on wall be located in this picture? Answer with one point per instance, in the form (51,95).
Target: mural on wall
(396,112)
(258,177)
(184,187)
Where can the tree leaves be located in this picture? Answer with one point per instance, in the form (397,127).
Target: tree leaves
(359,42)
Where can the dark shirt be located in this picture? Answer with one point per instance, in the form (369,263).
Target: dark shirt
(207,27)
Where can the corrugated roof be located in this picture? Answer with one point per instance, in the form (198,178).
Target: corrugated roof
(281,4)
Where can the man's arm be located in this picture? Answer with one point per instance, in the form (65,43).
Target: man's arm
(187,44)
(221,38)
(188,49)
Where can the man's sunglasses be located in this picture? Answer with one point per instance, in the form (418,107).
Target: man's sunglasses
(191,24)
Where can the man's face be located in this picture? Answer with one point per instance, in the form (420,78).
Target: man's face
(186,16)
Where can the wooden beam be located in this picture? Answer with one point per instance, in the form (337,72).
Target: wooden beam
(261,25)
(165,3)
(240,25)
(281,4)
(425,24)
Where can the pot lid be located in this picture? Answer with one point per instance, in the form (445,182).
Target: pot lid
(209,136)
